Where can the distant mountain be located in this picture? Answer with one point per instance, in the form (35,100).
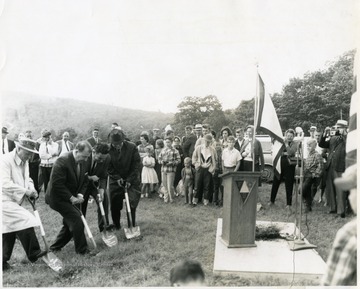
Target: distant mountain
(21,112)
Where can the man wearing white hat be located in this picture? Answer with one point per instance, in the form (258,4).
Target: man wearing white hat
(17,222)
(335,166)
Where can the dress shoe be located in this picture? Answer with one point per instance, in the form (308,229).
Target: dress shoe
(87,252)
(6,266)
(342,215)
(110,227)
(41,254)
(332,212)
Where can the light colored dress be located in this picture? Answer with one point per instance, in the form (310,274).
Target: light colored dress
(148,174)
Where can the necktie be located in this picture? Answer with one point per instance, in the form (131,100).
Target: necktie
(78,171)
(67,148)
(93,167)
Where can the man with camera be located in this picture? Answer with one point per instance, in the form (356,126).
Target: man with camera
(335,141)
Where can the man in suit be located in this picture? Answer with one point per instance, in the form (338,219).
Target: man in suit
(95,137)
(335,166)
(124,170)
(64,144)
(67,185)
(34,163)
(97,168)
(7,144)
(240,144)
(189,142)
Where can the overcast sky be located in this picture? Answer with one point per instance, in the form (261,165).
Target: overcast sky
(149,54)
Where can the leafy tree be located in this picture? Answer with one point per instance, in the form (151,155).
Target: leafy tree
(194,109)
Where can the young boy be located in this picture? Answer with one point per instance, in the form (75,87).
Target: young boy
(169,157)
(313,166)
(188,178)
(230,157)
(187,274)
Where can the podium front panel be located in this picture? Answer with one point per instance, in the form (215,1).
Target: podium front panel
(239,209)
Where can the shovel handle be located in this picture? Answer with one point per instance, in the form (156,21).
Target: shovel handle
(101,206)
(37,216)
(127,201)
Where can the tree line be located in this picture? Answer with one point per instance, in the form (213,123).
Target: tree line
(318,98)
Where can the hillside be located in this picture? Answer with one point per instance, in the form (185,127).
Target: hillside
(21,112)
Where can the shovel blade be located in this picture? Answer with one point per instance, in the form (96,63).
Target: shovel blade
(110,240)
(53,262)
(133,232)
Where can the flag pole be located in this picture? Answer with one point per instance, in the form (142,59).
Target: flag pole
(255,117)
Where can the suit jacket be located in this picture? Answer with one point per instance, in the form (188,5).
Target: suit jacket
(64,183)
(101,171)
(92,141)
(237,146)
(337,153)
(126,164)
(259,156)
(70,145)
(189,145)
(11,144)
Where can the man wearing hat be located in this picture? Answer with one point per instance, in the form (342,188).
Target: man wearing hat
(7,144)
(124,170)
(17,222)
(95,137)
(67,186)
(198,131)
(335,166)
(48,151)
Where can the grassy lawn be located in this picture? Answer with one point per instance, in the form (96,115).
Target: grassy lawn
(170,233)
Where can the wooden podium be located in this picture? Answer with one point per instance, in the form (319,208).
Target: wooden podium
(239,208)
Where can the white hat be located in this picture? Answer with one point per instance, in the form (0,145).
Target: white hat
(198,126)
(342,123)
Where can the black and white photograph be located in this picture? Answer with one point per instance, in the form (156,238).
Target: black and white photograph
(166,143)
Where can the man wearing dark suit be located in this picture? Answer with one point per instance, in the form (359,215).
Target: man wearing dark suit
(189,142)
(66,187)
(64,144)
(335,166)
(240,144)
(7,144)
(124,170)
(34,163)
(95,137)
(97,168)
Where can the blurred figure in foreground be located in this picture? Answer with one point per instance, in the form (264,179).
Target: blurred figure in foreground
(187,274)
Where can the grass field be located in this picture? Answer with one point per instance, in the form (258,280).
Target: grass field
(170,233)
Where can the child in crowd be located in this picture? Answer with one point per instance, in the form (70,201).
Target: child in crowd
(188,178)
(148,175)
(230,157)
(313,166)
(159,145)
(169,157)
(218,171)
(187,274)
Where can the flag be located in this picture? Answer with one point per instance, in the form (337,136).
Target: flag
(267,120)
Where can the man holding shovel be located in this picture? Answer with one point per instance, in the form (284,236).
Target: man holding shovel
(124,170)
(97,168)
(66,189)
(17,222)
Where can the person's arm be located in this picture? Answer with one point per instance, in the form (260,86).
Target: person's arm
(134,167)
(320,165)
(261,156)
(177,158)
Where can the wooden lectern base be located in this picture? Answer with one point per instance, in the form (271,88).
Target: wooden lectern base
(236,245)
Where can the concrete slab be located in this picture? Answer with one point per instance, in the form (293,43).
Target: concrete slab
(269,258)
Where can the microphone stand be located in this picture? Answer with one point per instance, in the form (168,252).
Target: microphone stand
(296,241)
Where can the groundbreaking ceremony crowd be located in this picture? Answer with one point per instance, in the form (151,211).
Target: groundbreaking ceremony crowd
(159,164)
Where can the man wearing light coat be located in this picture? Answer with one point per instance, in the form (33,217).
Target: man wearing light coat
(17,222)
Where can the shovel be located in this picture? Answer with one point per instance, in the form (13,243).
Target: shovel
(109,239)
(130,232)
(87,229)
(50,258)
